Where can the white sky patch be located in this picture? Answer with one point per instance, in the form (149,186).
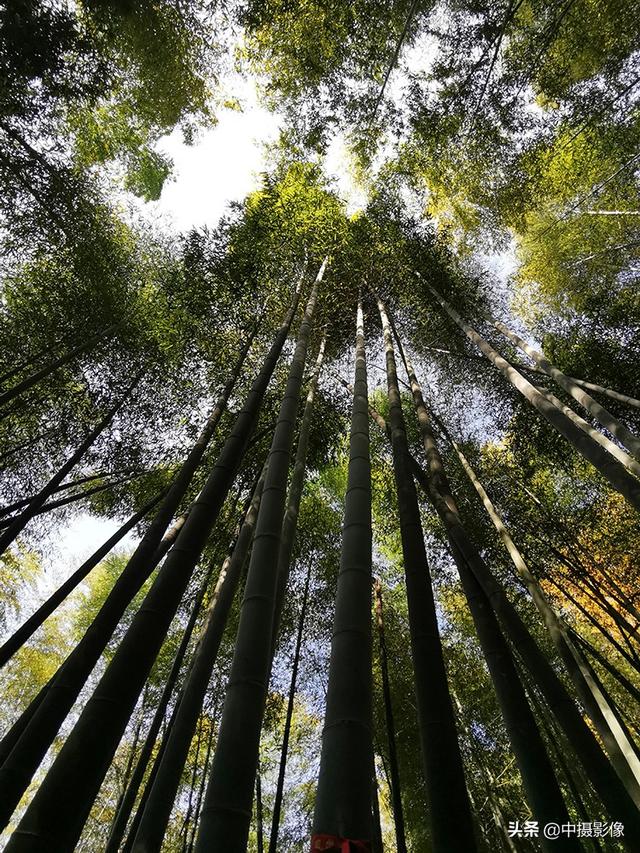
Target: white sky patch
(62,553)
(85,533)
(73,543)
(226,162)
(337,166)
(418,58)
(503,264)
(223,165)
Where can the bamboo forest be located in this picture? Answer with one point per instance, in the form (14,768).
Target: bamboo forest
(320,468)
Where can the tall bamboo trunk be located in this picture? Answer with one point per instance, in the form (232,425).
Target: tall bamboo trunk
(184,829)
(159,802)
(620,750)
(608,421)
(284,751)
(226,813)
(631,689)
(188,847)
(28,628)
(489,780)
(167,727)
(60,807)
(50,368)
(394,769)
(610,468)
(607,392)
(449,809)
(126,804)
(624,715)
(127,846)
(482,584)
(259,819)
(134,747)
(294,497)
(343,799)
(558,748)
(421,477)
(377,844)
(611,447)
(540,784)
(20,522)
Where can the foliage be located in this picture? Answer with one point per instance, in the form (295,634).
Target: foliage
(477,128)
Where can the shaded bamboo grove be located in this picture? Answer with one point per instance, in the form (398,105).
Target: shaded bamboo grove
(242,581)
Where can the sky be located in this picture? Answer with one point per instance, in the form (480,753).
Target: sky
(223,165)
(227,160)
